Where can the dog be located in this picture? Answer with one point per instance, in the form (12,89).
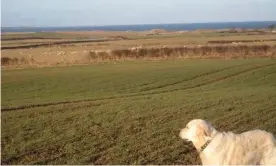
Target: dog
(255,147)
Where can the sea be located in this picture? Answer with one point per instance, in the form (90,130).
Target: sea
(141,27)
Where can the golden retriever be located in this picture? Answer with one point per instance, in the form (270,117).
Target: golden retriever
(256,147)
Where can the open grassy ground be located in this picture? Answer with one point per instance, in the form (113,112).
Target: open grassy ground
(130,112)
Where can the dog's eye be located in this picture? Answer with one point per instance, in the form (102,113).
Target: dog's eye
(187,127)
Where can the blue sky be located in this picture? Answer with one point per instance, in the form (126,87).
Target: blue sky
(120,12)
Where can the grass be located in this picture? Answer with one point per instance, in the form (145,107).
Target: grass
(130,112)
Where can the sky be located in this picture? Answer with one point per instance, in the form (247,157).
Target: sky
(38,13)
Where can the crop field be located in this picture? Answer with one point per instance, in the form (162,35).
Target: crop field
(130,112)
(40,49)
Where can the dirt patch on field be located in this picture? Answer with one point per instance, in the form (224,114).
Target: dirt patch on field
(238,41)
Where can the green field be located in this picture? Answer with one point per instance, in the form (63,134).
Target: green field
(130,112)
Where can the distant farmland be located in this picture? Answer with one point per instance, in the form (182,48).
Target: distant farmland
(40,49)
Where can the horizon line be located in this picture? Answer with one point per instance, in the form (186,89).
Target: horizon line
(55,26)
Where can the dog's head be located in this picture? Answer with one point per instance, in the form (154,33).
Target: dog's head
(197,131)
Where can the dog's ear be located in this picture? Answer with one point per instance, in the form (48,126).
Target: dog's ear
(204,130)
(200,134)
(201,131)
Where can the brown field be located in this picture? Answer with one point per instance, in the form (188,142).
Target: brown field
(81,47)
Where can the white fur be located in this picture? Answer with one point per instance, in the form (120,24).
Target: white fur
(226,148)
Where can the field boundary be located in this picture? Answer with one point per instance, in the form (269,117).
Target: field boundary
(231,51)
(55,43)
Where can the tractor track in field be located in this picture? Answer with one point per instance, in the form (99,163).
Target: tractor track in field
(137,95)
(185,80)
(225,77)
(190,79)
